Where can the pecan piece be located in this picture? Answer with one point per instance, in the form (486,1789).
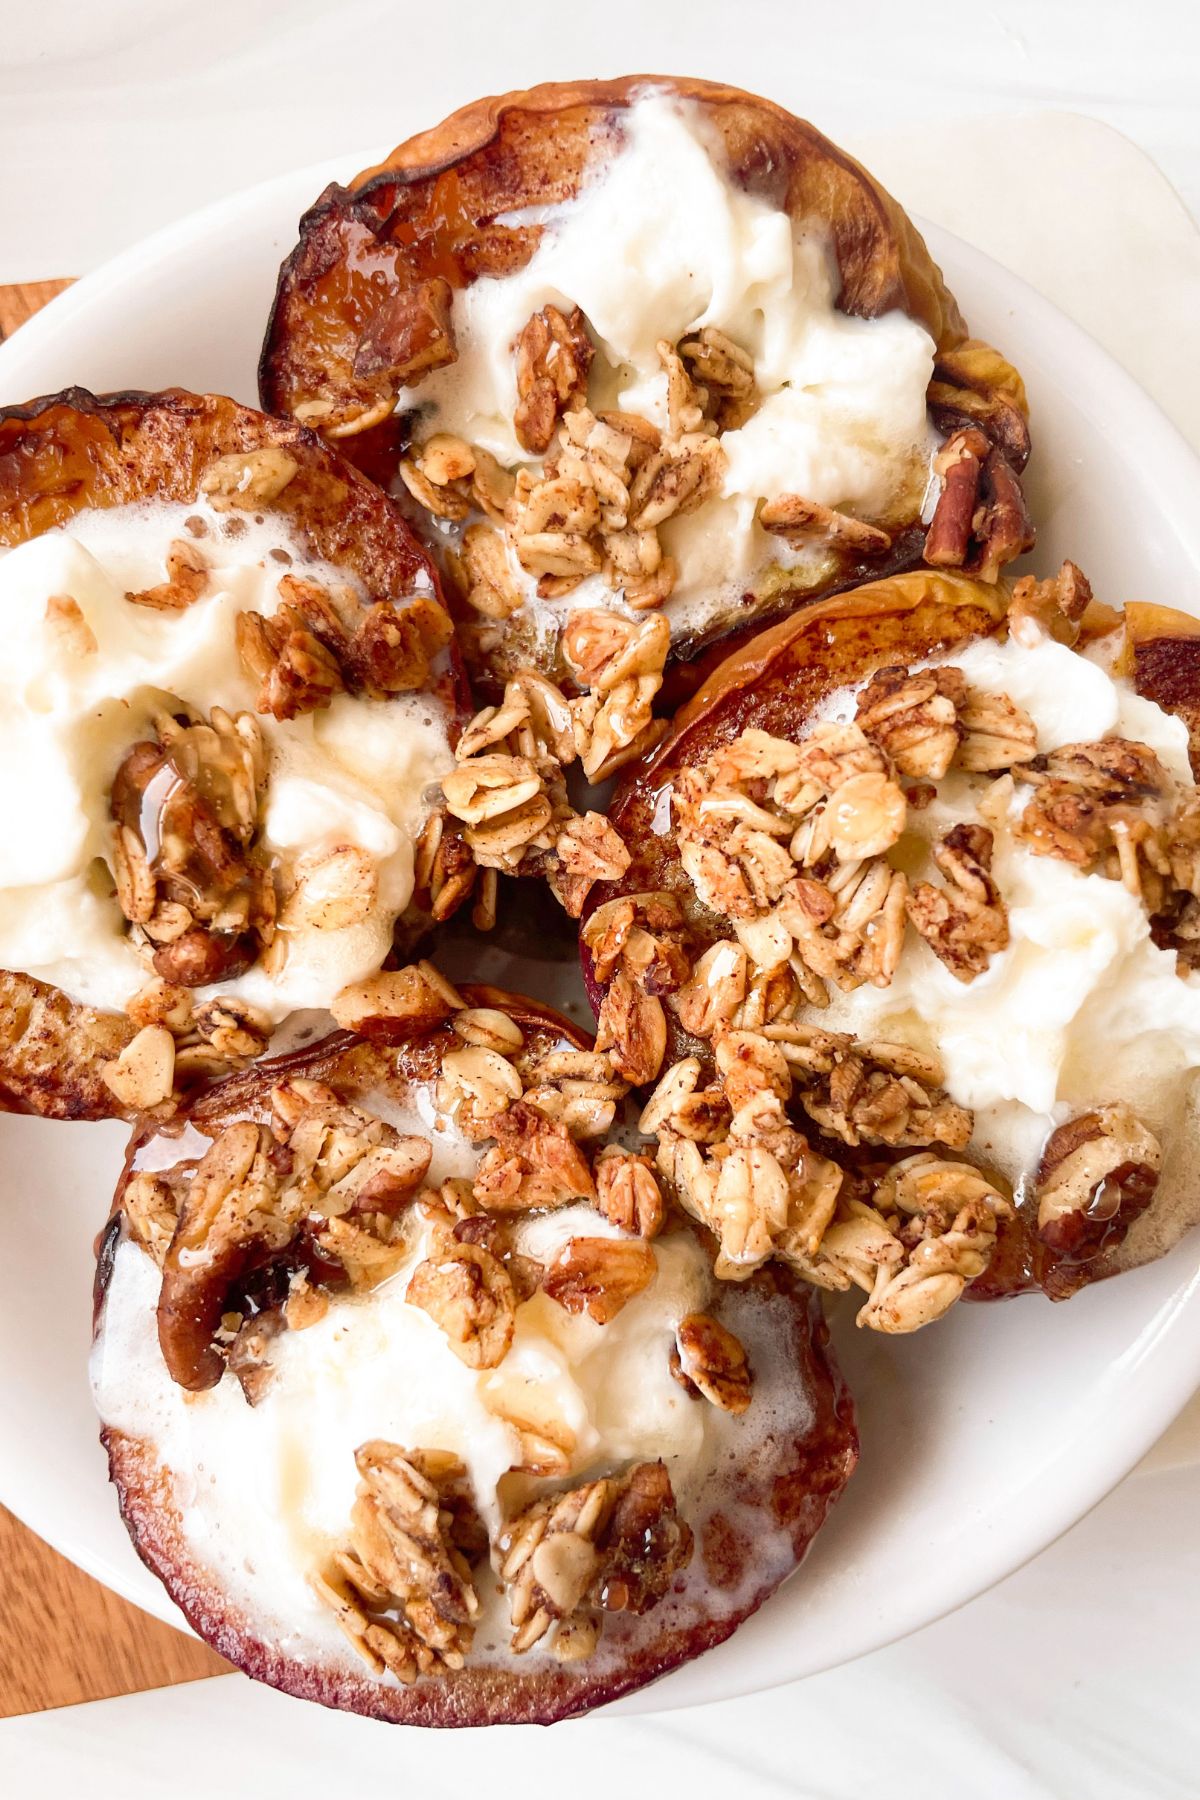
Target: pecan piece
(965,922)
(228,1223)
(467,1291)
(534,1162)
(187,578)
(554,354)
(627,1193)
(599,1275)
(1097,1173)
(712,1362)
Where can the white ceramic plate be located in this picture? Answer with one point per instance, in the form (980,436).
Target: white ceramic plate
(983,1439)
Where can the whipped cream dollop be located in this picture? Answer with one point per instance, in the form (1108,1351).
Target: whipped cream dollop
(658,244)
(356,774)
(1082,1006)
(265,1493)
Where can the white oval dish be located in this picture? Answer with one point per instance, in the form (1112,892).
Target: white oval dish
(983,1439)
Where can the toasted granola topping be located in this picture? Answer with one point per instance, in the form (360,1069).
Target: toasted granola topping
(965,922)
(623,1544)
(400,1001)
(1052,608)
(1095,799)
(874,1092)
(510,794)
(324,1175)
(763,816)
(997,733)
(320,642)
(205,902)
(711,1361)
(599,1275)
(915,718)
(930,1232)
(150,1209)
(402,1589)
(477,1085)
(534,1162)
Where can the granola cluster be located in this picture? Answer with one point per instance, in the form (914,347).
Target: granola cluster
(912,1234)
(508,793)
(187,807)
(606,484)
(790,841)
(323,641)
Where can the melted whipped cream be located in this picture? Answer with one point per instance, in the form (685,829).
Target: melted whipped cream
(661,243)
(265,1492)
(1082,1006)
(354,774)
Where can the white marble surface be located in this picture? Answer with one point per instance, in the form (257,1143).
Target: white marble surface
(1077,1676)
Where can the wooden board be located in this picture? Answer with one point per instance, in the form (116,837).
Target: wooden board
(63,1637)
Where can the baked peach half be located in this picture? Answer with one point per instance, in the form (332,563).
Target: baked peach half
(423,1401)
(229,693)
(653,349)
(909,931)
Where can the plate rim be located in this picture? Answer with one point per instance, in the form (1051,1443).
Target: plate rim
(1173,1346)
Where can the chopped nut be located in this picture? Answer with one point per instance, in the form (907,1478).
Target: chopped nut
(713,1361)
(965,922)
(296,671)
(627,1193)
(632,1026)
(554,354)
(1097,1173)
(467,1291)
(915,718)
(588,849)
(599,1275)
(534,1163)
(1050,608)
